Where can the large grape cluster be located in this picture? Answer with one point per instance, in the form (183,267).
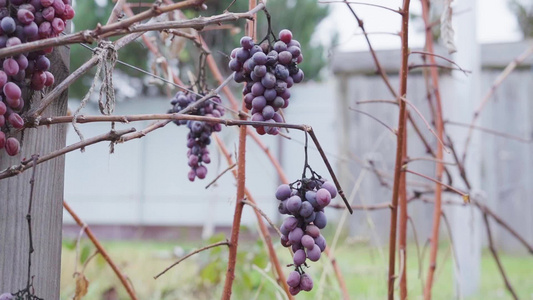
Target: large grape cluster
(269,71)
(301,230)
(199,136)
(26,21)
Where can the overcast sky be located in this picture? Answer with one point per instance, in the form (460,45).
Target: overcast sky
(495,23)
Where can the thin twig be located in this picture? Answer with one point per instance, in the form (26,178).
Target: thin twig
(191,254)
(363,3)
(497,258)
(465,196)
(375,119)
(491,131)
(220,175)
(102,251)
(379,206)
(441,57)
(415,66)
(429,159)
(497,82)
(255,207)
(112,136)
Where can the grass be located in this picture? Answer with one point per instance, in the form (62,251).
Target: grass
(202,276)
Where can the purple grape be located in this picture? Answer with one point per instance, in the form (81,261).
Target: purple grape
(69,12)
(234,65)
(285,35)
(285,57)
(13,41)
(12,91)
(259,103)
(280,46)
(270,94)
(294,290)
(16,121)
(242,55)
(320,241)
(281,72)
(295,235)
(294,51)
(298,77)
(331,188)
(299,257)
(25,16)
(259,58)
(320,220)
(8,25)
(296,246)
(278,103)
(306,283)
(323,197)
(290,223)
(45,30)
(31,30)
(3,108)
(284,230)
(201,172)
(314,253)
(260,71)
(285,241)
(247,42)
(59,7)
(22,62)
(269,80)
(310,218)
(3,78)
(307,241)
(2,134)
(13,147)
(282,207)
(294,203)
(293,280)
(258,89)
(277,118)
(268,112)
(283,192)
(306,210)
(312,230)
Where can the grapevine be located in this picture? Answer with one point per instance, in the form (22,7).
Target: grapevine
(26,21)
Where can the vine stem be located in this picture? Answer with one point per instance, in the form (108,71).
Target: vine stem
(241,183)
(399,179)
(262,227)
(437,209)
(101,250)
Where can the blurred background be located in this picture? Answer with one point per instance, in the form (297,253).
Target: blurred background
(139,202)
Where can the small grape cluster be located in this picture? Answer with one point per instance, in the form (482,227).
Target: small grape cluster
(199,136)
(269,72)
(26,21)
(301,230)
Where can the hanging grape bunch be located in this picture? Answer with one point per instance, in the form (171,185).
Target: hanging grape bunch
(269,71)
(26,21)
(199,136)
(301,230)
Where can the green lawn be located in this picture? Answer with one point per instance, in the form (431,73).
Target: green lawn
(202,276)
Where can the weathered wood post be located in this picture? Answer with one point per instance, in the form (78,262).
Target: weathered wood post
(47,210)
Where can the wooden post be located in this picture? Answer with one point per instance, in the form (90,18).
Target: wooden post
(47,210)
(466,220)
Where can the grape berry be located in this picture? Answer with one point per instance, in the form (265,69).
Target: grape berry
(301,231)
(26,21)
(269,71)
(199,136)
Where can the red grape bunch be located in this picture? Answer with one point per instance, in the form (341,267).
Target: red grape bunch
(269,71)
(199,136)
(24,21)
(301,231)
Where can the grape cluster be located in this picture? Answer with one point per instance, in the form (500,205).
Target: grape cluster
(26,21)
(199,135)
(6,296)
(269,71)
(301,230)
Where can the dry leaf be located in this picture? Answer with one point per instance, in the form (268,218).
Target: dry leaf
(446,28)
(82,284)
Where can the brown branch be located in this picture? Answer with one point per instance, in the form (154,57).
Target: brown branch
(497,258)
(429,159)
(465,196)
(435,65)
(102,251)
(220,175)
(117,28)
(112,136)
(399,189)
(262,227)
(340,278)
(116,12)
(262,213)
(241,185)
(191,254)
(491,131)
(497,82)
(375,119)
(363,3)
(441,57)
